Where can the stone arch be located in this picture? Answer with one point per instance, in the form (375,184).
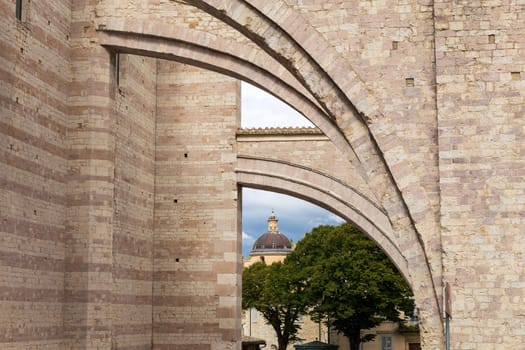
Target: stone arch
(186,46)
(339,197)
(286,36)
(327,192)
(355,127)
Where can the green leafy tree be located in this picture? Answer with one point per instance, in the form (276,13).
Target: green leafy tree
(350,281)
(277,293)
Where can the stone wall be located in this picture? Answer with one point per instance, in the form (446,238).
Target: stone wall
(197,254)
(307,147)
(480,55)
(77,184)
(34,80)
(91,138)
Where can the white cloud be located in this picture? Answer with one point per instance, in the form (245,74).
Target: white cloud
(246,238)
(326,219)
(259,109)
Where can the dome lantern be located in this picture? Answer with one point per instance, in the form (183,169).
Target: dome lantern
(272,242)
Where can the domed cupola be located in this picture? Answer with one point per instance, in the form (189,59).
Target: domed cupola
(272,241)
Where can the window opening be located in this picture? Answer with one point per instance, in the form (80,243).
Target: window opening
(386,343)
(20,10)
(117,69)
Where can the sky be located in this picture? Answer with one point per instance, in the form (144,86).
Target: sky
(296,216)
(259,109)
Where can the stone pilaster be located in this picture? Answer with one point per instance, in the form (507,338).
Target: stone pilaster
(90,188)
(197,255)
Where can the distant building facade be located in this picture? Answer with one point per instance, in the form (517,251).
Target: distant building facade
(388,336)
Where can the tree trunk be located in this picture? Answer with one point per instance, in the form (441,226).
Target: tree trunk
(354,340)
(282,344)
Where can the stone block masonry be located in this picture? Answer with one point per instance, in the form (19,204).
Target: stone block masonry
(480,55)
(133,220)
(77,183)
(34,78)
(197,258)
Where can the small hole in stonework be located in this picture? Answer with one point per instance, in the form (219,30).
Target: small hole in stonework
(16,100)
(67,37)
(492,39)
(409,82)
(515,75)
(395,45)
(185,155)
(34,212)
(48,23)
(176,259)
(11,147)
(22,50)
(175,201)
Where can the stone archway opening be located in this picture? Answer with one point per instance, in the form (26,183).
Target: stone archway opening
(181,152)
(257,203)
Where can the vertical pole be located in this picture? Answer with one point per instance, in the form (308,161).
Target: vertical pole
(447,311)
(250,323)
(329,329)
(447,332)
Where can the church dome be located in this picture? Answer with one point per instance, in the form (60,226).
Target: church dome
(272,241)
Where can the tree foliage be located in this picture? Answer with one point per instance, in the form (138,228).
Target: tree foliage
(349,280)
(277,292)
